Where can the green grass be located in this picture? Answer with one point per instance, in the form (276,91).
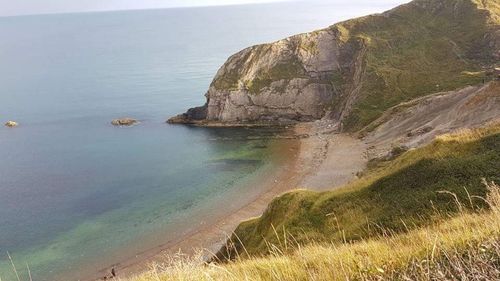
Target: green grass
(396,195)
(285,70)
(415,52)
(465,247)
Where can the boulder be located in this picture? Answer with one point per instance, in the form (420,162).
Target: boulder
(124,122)
(11,124)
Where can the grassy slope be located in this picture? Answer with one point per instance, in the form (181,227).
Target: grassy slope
(414,51)
(466,247)
(397,195)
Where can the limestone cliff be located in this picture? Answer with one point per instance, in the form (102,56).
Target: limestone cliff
(353,71)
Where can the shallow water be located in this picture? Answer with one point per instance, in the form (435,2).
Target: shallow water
(77,193)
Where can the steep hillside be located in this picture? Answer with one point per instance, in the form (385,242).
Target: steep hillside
(395,195)
(354,70)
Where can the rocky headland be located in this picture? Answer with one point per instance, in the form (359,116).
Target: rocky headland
(353,71)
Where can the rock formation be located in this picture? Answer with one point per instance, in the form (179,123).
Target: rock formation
(353,71)
(124,122)
(11,124)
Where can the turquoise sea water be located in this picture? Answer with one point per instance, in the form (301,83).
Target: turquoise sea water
(77,194)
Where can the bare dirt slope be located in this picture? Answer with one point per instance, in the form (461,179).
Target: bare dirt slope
(335,158)
(417,122)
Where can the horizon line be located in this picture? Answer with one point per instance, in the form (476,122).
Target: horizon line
(149,9)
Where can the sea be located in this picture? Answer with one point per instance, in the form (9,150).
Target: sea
(78,194)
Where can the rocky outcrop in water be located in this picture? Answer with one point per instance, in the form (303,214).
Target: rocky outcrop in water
(353,71)
(11,124)
(124,122)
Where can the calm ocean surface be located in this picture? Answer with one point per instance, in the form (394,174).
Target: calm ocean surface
(77,194)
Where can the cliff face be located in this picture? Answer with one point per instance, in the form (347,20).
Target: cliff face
(289,79)
(353,71)
(286,80)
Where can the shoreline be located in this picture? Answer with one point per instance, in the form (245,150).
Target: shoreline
(314,155)
(221,124)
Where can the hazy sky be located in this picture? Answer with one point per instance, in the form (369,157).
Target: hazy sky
(24,7)
(27,7)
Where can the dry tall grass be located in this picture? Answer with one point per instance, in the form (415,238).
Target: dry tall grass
(465,247)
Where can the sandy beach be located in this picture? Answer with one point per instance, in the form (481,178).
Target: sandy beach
(321,159)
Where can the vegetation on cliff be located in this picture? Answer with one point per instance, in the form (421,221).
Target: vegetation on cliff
(420,48)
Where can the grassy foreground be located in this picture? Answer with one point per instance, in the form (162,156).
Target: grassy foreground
(423,215)
(466,247)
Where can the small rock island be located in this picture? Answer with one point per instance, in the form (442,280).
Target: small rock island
(11,124)
(124,122)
